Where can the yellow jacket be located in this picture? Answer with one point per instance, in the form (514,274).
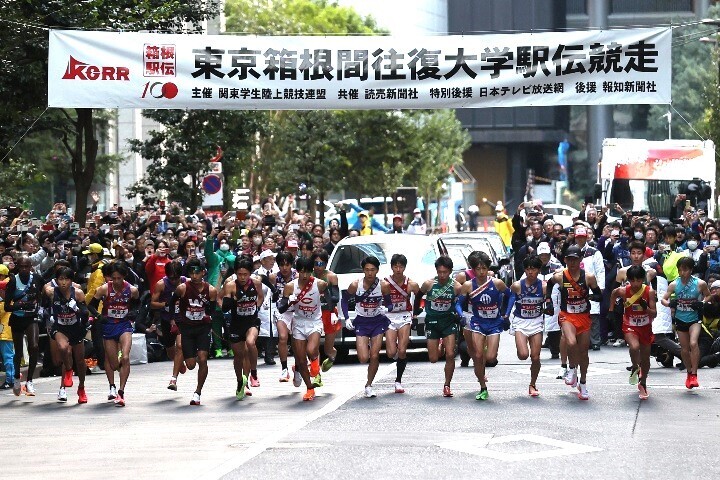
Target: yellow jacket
(94,282)
(504,227)
(5,334)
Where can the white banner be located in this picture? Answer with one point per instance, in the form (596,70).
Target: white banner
(150,70)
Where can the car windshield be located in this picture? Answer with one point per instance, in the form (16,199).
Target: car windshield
(497,243)
(348,257)
(458,255)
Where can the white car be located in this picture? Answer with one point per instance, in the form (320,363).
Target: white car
(421,252)
(562,214)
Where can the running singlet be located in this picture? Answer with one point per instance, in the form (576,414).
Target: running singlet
(116,305)
(62,308)
(280,281)
(166,296)
(572,300)
(307,307)
(439,300)
(530,302)
(636,315)
(485,300)
(195,303)
(246,300)
(367,304)
(686,295)
(399,296)
(28,294)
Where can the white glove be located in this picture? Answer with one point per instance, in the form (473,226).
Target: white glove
(292,298)
(349,325)
(334,318)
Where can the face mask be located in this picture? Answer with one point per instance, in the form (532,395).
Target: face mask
(224,247)
(638,235)
(257,240)
(529,238)
(715,243)
(173,253)
(129,258)
(692,244)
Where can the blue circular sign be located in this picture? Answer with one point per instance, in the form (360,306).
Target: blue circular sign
(211,184)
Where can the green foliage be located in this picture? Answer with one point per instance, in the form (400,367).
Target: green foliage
(17,178)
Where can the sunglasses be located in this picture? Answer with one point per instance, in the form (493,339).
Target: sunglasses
(320,264)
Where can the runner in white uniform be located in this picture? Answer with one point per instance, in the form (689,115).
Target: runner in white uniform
(285,275)
(302,299)
(397,336)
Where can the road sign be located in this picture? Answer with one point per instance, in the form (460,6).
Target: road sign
(212,184)
(241,199)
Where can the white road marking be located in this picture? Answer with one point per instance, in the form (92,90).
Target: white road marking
(480,446)
(551,371)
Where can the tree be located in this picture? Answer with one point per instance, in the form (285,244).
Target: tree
(24,50)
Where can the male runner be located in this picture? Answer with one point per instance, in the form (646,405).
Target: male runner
(162,303)
(525,310)
(331,323)
(22,295)
(486,324)
(241,299)
(302,298)
(197,300)
(440,321)
(285,275)
(117,297)
(689,293)
(397,337)
(366,295)
(574,315)
(69,325)
(638,307)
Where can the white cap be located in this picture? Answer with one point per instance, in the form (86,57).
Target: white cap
(715,284)
(417,210)
(499,207)
(265,254)
(543,247)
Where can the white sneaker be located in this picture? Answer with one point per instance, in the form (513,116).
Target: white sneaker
(62,395)
(399,388)
(29,388)
(584,394)
(561,373)
(571,377)
(619,343)
(112,394)
(195,399)
(297,378)
(284,375)
(369,392)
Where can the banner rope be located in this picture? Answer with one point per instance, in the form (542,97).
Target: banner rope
(23,135)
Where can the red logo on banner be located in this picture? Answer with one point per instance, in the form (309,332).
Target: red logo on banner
(77,70)
(160,90)
(158,60)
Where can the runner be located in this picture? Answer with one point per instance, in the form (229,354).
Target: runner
(397,337)
(638,305)
(285,275)
(117,296)
(525,310)
(689,293)
(197,300)
(473,260)
(22,295)
(366,295)
(69,316)
(302,298)
(440,321)
(268,321)
(242,297)
(331,323)
(574,315)
(161,301)
(484,294)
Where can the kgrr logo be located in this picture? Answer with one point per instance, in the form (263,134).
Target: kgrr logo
(160,90)
(77,70)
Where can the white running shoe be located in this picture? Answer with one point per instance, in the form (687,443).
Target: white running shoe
(195,399)
(584,394)
(112,394)
(297,378)
(29,388)
(561,373)
(62,395)
(571,377)
(284,375)
(369,392)
(399,388)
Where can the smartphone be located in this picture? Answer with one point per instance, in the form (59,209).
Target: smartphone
(120,210)
(74,226)
(162,203)
(687,203)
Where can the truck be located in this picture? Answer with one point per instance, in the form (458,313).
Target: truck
(647,176)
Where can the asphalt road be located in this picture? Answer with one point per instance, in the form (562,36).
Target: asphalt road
(418,434)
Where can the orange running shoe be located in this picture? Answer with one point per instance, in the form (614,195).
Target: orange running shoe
(309,395)
(67,378)
(315,367)
(82,396)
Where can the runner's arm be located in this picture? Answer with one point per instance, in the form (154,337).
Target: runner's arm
(417,309)
(285,301)
(652,304)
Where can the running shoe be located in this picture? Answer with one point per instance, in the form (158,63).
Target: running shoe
(112,394)
(327,364)
(634,375)
(694,381)
(254,382)
(29,388)
(583,392)
(229,354)
(248,392)
(284,375)
(172,385)
(482,394)
(446,391)
(120,400)
(82,396)
(6,386)
(688,381)
(309,395)
(561,373)
(297,378)
(369,392)
(218,353)
(68,378)
(62,395)
(571,377)
(195,399)
(399,388)
(240,392)
(533,391)
(643,392)
(317,381)
(17,387)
